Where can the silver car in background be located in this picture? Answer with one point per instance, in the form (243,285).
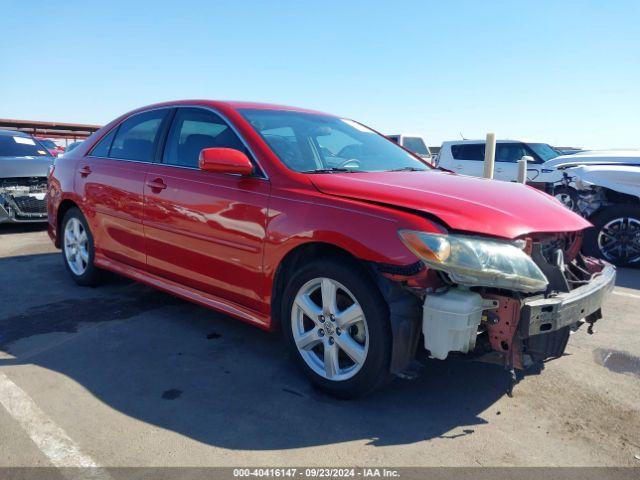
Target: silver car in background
(24,166)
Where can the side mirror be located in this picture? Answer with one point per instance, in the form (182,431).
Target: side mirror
(225,160)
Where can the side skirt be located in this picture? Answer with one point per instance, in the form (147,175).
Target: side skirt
(205,299)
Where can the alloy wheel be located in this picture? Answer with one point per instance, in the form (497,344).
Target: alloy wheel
(619,240)
(329,329)
(76,246)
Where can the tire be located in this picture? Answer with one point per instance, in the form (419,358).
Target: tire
(368,340)
(78,249)
(621,222)
(567,196)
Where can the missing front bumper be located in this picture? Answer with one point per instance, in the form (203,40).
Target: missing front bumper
(452,320)
(544,315)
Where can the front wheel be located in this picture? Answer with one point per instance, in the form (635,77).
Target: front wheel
(336,324)
(616,236)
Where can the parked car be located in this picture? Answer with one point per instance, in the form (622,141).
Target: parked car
(53,147)
(609,197)
(314,224)
(413,143)
(24,165)
(567,193)
(467,157)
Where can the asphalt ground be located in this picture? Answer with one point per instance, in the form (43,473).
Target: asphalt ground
(123,375)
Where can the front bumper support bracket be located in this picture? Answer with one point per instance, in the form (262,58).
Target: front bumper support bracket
(543,315)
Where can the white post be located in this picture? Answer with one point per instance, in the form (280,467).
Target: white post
(489,155)
(522,168)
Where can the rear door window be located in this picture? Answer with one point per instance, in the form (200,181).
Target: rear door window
(468,151)
(137,136)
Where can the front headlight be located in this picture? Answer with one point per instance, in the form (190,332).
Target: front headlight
(474,261)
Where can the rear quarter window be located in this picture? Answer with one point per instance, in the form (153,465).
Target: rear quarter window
(136,136)
(104,145)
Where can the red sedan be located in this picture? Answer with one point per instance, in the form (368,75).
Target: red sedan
(315,224)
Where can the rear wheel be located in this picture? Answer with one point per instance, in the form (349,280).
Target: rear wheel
(616,236)
(78,249)
(336,324)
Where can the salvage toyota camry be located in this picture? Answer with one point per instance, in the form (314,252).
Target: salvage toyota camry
(317,225)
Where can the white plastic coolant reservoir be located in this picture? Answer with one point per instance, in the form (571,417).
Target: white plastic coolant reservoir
(450,321)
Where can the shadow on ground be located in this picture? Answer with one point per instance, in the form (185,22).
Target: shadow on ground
(214,379)
(11,228)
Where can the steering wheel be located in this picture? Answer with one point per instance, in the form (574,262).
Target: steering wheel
(353,161)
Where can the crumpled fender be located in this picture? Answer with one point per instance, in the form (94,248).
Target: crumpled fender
(619,178)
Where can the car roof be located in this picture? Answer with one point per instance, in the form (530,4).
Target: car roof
(235,105)
(14,133)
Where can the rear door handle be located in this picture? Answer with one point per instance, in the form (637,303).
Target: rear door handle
(85,170)
(157,184)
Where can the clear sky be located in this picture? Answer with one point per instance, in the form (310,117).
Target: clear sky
(565,72)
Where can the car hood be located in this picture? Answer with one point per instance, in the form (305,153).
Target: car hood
(620,178)
(468,204)
(24,166)
(604,157)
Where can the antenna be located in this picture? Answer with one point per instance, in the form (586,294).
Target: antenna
(462,136)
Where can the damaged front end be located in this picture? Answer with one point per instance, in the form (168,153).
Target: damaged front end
(520,309)
(22,199)
(528,329)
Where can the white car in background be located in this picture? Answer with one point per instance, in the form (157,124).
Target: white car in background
(608,195)
(467,157)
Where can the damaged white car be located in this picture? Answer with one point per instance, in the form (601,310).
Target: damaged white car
(608,195)
(24,166)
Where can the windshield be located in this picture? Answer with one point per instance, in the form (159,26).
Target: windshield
(18,146)
(544,151)
(307,142)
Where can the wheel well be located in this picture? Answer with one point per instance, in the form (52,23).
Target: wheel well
(405,309)
(64,207)
(298,257)
(619,197)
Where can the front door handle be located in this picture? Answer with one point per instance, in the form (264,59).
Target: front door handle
(85,170)
(156,184)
